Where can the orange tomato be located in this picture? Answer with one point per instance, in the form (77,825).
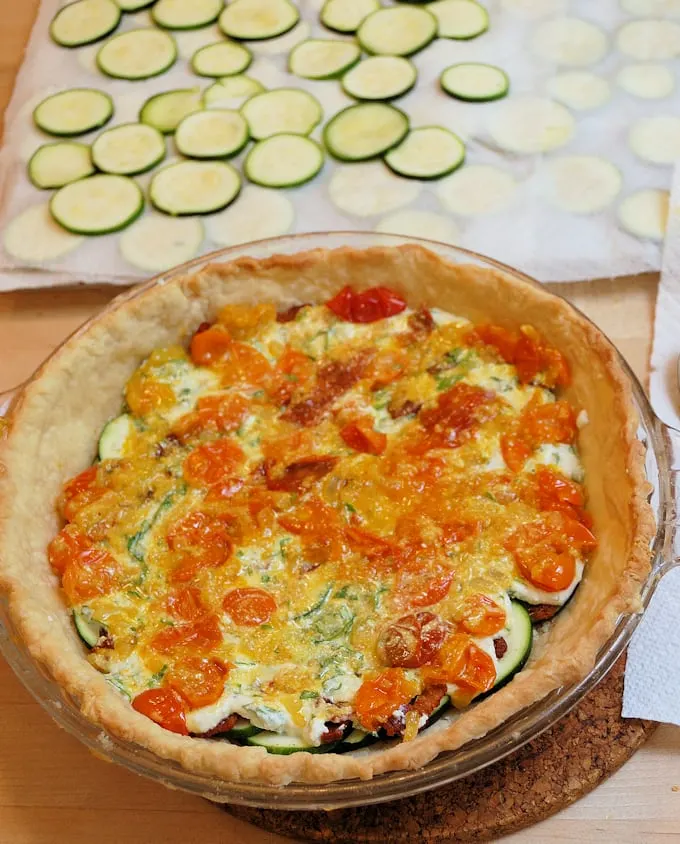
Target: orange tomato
(92,573)
(293,370)
(379,696)
(555,492)
(80,492)
(66,546)
(210,346)
(221,413)
(515,450)
(423,587)
(212,462)
(481,616)
(204,542)
(244,321)
(361,436)
(553,422)
(386,368)
(164,706)
(186,604)
(202,636)
(199,680)
(249,606)
(500,338)
(144,394)
(457,410)
(463,662)
(414,640)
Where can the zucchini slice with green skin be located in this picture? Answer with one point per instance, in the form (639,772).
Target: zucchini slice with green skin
(518,638)
(428,152)
(99,204)
(437,713)
(231,88)
(137,54)
(194,187)
(186,14)
(459,19)
(167,110)
(73,112)
(397,31)
(380,78)
(283,161)
(283,745)
(128,149)
(320,58)
(221,59)
(89,629)
(57,164)
(355,740)
(365,131)
(474,82)
(346,15)
(257,20)
(241,731)
(134,5)
(84,22)
(281,111)
(34,237)
(217,133)
(156,242)
(113,437)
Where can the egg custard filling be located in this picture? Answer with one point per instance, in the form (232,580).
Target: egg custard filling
(316,528)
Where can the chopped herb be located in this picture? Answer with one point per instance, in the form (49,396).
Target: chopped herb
(308,695)
(117,684)
(267,627)
(265,578)
(378,595)
(455,356)
(490,496)
(557,457)
(342,593)
(259,394)
(447,381)
(158,676)
(350,507)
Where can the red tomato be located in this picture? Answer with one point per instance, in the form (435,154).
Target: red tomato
(515,450)
(86,571)
(293,370)
(360,436)
(380,695)
(165,707)
(80,492)
(386,368)
(413,640)
(456,531)
(366,306)
(212,463)
(494,335)
(66,546)
(482,616)
(457,410)
(221,413)
(548,565)
(555,492)
(311,517)
(462,662)
(210,346)
(301,473)
(201,636)
(200,681)
(423,588)
(553,422)
(186,604)
(249,606)
(369,544)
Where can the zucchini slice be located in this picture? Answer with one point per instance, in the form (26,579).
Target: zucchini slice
(137,54)
(519,638)
(283,745)
(89,629)
(428,152)
(255,20)
(569,41)
(97,205)
(258,214)
(355,740)
(369,189)
(644,214)
(224,58)
(113,437)
(346,15)
(167,110)
(459,19)
(320,58)
(579,89)
(194,187)
(646,81)
(656,139)
(474,82)
(365,131)
(217,133)
(531,124)
(231,88)
(55,165)
(134,5)
(73,112)
(380,78)
(185,14)
(128,149)
(283,161)
(84,22)
(397,31)
(155,243)
(242,730)
(649,40)
(284,110)
(581,184)
(477,189)
(34,237)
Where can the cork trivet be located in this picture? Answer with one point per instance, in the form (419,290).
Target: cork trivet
(544,776)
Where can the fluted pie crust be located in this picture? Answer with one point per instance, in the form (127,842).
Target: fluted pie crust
(52,435)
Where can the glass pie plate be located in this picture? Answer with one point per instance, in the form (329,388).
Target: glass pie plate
(512,734)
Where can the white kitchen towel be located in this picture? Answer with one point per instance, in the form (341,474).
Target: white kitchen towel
(511,212)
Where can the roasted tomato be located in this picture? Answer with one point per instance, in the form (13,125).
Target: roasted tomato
(300,474)
(249,606)
(481,616)
(80,492)
(219,413)
(413,640)
(361,436)
(379,696)
(464,663)
(186,604)
(200,636)
(86,570)
(210,346)
(164,706)
(213,462)
(199,680)
(244,321)
(423,587)
(457,410)
(367,305)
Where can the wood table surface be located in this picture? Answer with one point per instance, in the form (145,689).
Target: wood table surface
(52,790)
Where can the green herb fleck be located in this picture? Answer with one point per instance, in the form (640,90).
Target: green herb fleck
(308,695)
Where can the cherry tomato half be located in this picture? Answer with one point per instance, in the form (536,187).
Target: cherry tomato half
(249,606)
(380,695)
(367,305)
(199,680)
(165,707)
(361,436)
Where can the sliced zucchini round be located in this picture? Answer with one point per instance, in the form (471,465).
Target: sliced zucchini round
(128,149)
(186,14)
(225,58)
(55,165)
(242,730)
(283,745)
(89,629)
(167,110)
(35,237)
(397,31)
(113,437)
(355,740)
(365,131)
(519,638)
(531,124)
(346,15)
(134,5)
(216,133)
(647,81)
(428,152)
(259,213)
(194,187)
(231,88)
(644,213)
(284,110)
(569,41)
(369,189)
(84,22)
(656,139)
(459,19)
(99,204)
(137,54)
(283,161)
(474,82)
(320,58)
(155,243)
(73,112)
(380,78)
(255,20)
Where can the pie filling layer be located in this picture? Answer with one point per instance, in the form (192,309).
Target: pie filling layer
(313,528)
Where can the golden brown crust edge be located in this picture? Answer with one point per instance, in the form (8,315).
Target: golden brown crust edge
(41,451)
